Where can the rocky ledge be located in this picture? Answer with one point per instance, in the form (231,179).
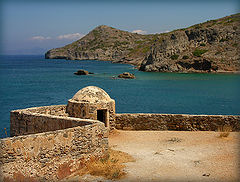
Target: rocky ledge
(212,46)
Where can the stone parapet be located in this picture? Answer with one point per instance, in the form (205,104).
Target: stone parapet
(50,147)
(177,122)
(43,119)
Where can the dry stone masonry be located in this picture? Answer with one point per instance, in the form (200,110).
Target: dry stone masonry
(179,122)
(51,142)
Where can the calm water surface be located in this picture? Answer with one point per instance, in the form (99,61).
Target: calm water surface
(28,81)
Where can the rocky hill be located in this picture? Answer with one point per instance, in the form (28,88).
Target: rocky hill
(212,46)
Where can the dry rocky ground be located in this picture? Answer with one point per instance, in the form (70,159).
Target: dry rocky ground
(176,156)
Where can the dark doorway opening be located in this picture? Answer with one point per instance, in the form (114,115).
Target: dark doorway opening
(102,116)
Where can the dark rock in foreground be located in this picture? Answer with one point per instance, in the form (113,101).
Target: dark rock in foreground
(82,72)
(127,75)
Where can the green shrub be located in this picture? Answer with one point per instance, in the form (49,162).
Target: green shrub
(139,41)
(96,33)
(185,57)
(199,52)
(235,45)
(223,40)
(198,26)
(130,49)
(145,49)
(202,44)
(174,57)
(124,42)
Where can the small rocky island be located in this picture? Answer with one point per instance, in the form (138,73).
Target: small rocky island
(212,46)
(127,75)
(83,72)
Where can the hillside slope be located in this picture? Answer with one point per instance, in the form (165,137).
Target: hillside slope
(212,46)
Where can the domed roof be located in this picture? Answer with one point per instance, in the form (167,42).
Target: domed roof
(91,94)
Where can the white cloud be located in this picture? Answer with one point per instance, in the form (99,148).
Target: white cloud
(40,38)
(166,31)
(73,36)
(139,31)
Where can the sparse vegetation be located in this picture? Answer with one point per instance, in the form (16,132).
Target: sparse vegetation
(136,46)
(199,52)
(139,50)
(197,26)
(185,57)
(223,40)
(95,33)
(111,166)
(145,49)
(139,42)
(174,57)
(130,49)
(224,131)
(124,42)
(222,60)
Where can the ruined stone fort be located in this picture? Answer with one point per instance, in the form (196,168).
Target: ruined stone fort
(50,142)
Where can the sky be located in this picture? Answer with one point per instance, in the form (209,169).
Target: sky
(34,26)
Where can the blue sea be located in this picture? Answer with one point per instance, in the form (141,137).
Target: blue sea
(29,81)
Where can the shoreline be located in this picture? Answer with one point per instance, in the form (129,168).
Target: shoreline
(138,67)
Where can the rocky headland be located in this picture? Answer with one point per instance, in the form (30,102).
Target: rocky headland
(212,46)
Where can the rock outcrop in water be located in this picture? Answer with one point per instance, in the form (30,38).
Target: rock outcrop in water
(127,75)
(82,72)
(212,46)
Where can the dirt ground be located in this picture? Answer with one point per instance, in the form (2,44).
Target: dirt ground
(177,156)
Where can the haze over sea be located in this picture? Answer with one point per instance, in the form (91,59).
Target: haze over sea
(30,81)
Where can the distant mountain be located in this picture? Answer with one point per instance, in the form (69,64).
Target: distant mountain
(212,46)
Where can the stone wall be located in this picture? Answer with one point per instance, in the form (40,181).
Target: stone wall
(51,156)
(175,122)
(56,110)
(42,119)
(51,145)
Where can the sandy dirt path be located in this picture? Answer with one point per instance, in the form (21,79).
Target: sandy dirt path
(179,156)
(176,156)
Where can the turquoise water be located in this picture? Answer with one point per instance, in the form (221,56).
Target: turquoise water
(28,81)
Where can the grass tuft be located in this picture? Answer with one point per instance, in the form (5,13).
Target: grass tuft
(199,52)
(174,57)
(111,166)
(224,131)
(185,57)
